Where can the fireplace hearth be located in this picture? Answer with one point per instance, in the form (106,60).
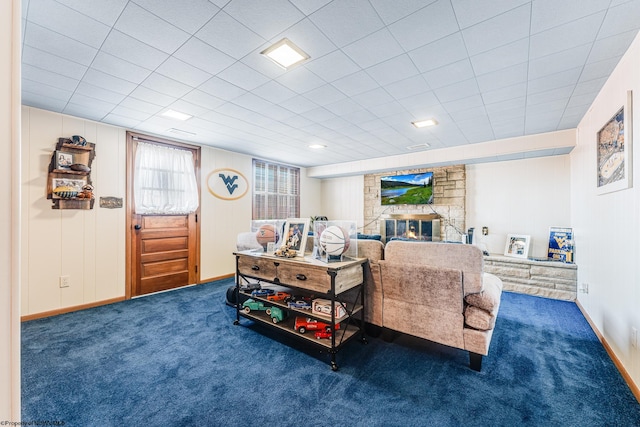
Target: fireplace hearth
(423,227)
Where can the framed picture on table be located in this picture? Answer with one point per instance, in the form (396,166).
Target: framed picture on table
(295,235)
(517,245)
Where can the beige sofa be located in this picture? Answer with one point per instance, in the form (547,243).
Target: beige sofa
(435,291)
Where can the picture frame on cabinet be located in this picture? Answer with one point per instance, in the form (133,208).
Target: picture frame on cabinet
(295,235)
(614,142)
(76,184)
(63,160)
(517,245)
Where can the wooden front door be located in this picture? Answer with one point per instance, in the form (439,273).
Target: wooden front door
(162,250)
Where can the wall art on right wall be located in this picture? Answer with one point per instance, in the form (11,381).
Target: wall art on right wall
(614,142)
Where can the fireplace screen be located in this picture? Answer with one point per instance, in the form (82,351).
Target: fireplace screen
(411,227)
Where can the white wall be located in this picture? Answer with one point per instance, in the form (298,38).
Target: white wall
(607,230)
(10,211)
(342,199)
(89,245)
(518,197)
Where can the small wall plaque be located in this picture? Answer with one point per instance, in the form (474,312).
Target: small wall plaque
(111,202)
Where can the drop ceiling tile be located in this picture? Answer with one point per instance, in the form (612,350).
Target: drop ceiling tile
(355,83)
(503,78)
(318,115)
(106,12)
(48,78)
(274,92)
(91,103)
(498,109)
(420,100)
(243,76)
(553,108)
(136,115)
(53,92)
(554,81)
(449,74)
(558,62)
(198,54)
(221,89)
(230,36)
(547,14)
(566,36)
(57,17)
(189,16)
(56,64)
(388,109)
(503,29)
(342,107)
(457,91)
(183,72)
(203,99)
(610,47)
(265,18)
(372,98)
(309,6)
(589,86)
(165,85)
(425,25)
(518,90)
(336,20)
(148,28)
(472,12)
(502,57)
(392,11)
(300,80)
(126,122)
(324,95)
(58,45)
(407,87)
(395,69)
(151,96)
(332,66)
(620,19)
(298,104)
(85,111)
(600,69)
(373,49)
(130,49)
(120,68)
(465,104)
(99,93)
(439,53)
(40,100)
(115,84)
(140,105)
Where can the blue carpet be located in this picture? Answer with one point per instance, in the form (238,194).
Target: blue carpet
(176,359)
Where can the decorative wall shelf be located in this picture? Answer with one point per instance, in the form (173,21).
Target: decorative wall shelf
(77,184)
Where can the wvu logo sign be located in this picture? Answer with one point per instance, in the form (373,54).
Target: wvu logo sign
(227,184)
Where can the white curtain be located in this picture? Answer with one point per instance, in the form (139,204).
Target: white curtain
(164,180)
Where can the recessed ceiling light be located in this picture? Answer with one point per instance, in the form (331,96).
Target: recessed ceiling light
(418,146)
(176,115)
(285,53)
(317,146)
(425,123)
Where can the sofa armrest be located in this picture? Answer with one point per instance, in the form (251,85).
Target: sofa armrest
(489,298)
(423,285)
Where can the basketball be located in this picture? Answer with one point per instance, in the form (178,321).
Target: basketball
(266,233)
(334,240)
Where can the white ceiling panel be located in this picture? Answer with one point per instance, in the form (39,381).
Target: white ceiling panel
(484,69)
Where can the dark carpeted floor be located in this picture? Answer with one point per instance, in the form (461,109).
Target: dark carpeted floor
(176,359)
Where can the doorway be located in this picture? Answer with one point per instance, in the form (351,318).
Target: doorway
(163,248)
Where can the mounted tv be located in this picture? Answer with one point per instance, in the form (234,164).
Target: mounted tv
(411,189)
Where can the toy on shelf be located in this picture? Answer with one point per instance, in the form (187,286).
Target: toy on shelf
(304,324)
(251,304)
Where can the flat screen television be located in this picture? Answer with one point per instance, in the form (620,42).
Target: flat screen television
(411,189)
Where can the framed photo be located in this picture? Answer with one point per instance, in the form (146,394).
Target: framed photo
(75,184)
(560,244)
(295,234)
(614,158)
(517,245)
(63,160)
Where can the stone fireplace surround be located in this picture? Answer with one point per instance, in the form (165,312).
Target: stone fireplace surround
(449,194)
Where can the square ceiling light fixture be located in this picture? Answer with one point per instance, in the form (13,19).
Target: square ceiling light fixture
(425,123)
(176,115)
(285,53)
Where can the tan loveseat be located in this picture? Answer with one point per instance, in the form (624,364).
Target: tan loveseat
(435,291)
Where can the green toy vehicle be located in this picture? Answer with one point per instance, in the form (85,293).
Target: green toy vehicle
(277,314)
(252,304)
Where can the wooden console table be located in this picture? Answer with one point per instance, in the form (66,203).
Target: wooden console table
(342,283)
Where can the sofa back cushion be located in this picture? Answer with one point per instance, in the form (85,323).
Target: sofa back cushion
(467,258)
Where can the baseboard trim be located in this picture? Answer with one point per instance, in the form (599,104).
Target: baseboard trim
(71,309)
(632,385)
(213,279)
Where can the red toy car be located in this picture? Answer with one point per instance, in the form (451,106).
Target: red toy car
(304,324)
(323,334)
(278,296)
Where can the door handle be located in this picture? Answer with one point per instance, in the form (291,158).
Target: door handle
(137,226)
